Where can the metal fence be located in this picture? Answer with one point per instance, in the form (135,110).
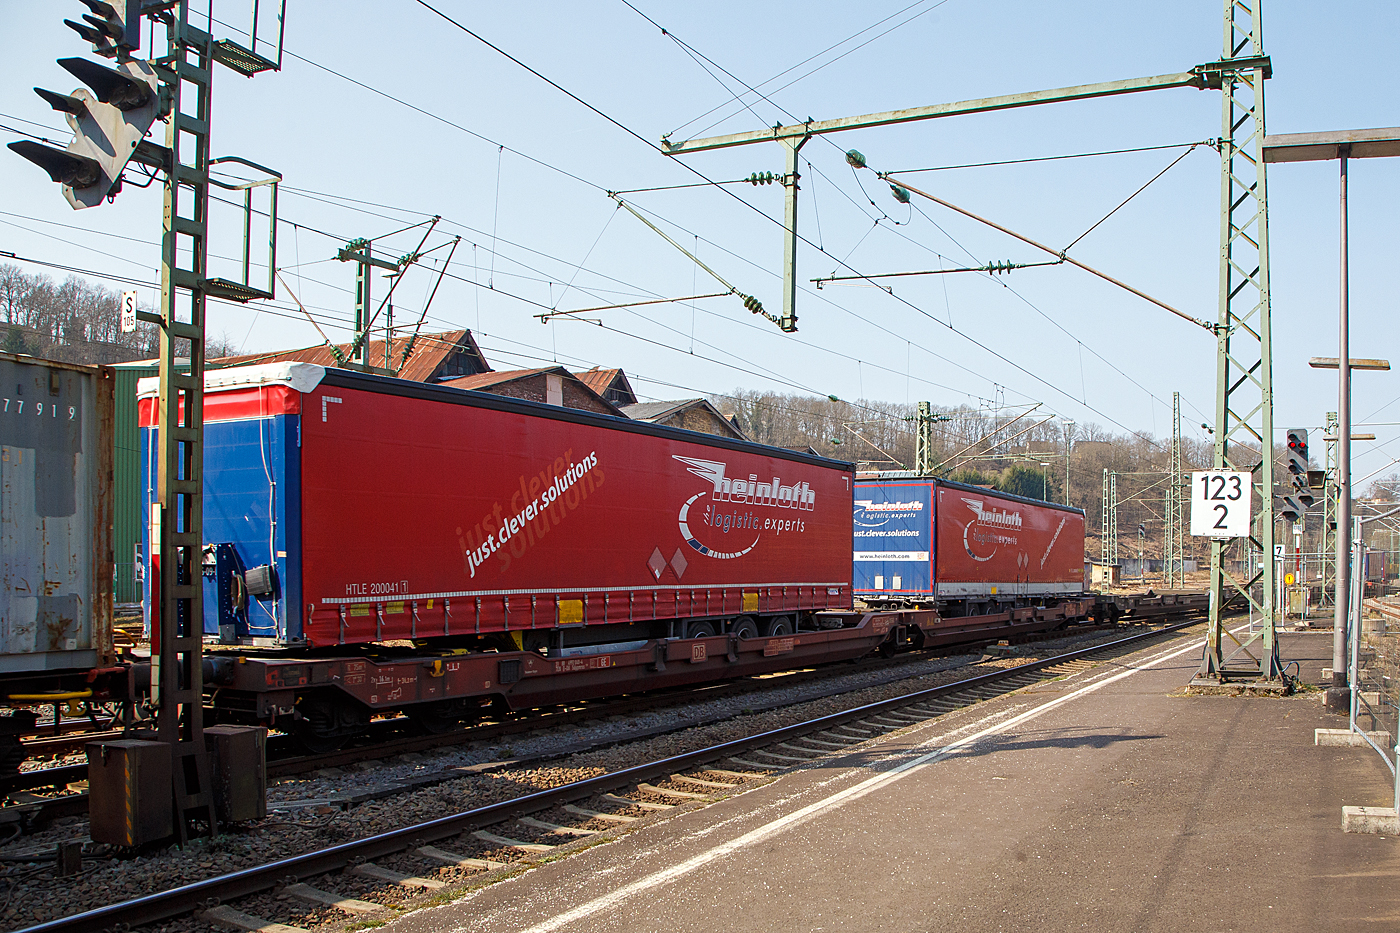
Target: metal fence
(1130,567)
(1374,657)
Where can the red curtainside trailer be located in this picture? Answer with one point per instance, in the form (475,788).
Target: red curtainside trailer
(373,510)
(431,549)
(374,545)
(962,547)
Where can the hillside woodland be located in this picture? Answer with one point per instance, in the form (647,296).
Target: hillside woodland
(73,321)
(77,321)
(990,447)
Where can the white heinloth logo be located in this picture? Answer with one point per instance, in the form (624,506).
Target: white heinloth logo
(870,506)
(879,513)
(740,493)
(993,516)
(977,538)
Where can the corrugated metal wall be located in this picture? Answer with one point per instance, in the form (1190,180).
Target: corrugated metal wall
(55,515)
(127,476)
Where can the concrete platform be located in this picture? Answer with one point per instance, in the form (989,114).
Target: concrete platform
(1109,801)
(1345,737)
(1381,821)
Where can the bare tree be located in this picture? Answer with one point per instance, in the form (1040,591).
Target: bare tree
(74,321)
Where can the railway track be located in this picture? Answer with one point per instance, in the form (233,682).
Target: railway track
(380,871)
(388,738)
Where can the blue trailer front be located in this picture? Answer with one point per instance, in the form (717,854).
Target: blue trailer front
(252,509)
(894,541)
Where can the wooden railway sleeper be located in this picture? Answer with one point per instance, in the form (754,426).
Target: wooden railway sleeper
(779,756)
(717,785)
(522,845)
(349,905)
(846,744)
(452,858)
(226,916)
(887,720)
(812,753)
(374,872)
(755,765)
(555,827)
(737,775)
(598,815)
(643,804)
(677,794)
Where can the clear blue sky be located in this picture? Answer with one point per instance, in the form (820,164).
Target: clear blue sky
(534,232)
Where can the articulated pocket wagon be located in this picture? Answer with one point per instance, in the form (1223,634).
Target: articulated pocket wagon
(374,544)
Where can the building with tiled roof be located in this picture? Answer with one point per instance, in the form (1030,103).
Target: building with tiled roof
(693,414)
(434,358)
(611,384)
(553,385)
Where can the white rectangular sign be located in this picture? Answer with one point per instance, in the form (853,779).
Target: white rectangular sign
(919,556)
(128,312)
(1220,504)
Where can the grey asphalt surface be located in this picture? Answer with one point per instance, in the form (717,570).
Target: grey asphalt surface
(1126,808)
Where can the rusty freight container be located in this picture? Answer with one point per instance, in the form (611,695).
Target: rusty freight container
(55,520)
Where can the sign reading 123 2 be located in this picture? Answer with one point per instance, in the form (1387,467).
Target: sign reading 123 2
(1220,504)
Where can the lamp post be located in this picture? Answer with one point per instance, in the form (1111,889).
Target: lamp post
(1341,145)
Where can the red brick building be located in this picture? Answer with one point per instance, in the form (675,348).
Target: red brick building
(553,385)
(693,414)
(434,357)
(611,384)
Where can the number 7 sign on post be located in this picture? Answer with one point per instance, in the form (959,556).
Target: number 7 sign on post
(1220,504)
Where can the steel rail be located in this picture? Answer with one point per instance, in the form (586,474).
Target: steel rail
(202,894)
(39,813)
(285,760)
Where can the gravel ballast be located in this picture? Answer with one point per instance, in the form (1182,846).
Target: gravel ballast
(305,813)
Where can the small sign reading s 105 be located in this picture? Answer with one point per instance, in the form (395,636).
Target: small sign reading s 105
(1220,504)
(128,312)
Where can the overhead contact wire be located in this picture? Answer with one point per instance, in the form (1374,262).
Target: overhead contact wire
(1060,253)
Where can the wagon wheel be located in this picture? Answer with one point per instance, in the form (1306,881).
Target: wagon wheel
(327,723)
(744,627)
(435,718)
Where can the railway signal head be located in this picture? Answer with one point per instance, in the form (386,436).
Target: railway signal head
(1302,492)
(109,118)
(1298,451)
(1289,508)
(114,29)
(1298,466)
